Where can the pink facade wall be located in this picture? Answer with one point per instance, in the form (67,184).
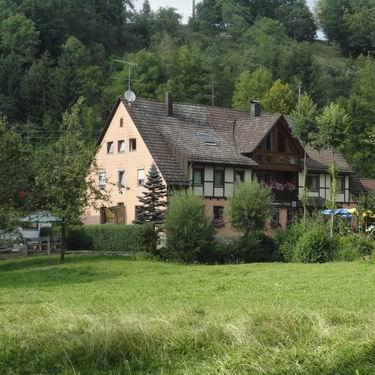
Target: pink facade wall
(128,161)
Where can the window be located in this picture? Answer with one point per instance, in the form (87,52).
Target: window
(102,180)
(208,139)
(340,184)
(239,175)
(218,216)
(109,147)
(121,122)
(121,179)
(258,157)
(219,178)
(312,183)
(281,141)
(198,176)
(141,177)
(121,147)
(132,144)
(269,141)
(292,160)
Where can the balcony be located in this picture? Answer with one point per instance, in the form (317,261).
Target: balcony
(285,196)
(284,186)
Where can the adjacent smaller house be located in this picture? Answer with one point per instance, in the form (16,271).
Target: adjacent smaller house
(209,150)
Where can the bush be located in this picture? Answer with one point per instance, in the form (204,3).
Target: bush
(287,240)
(315,246)
(112,238)
(250,207)
(54,231)
(352,248)
(256,247)
(190,234)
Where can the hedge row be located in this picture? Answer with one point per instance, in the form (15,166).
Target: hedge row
(112,238)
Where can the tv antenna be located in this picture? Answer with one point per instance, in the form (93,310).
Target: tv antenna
(129,94)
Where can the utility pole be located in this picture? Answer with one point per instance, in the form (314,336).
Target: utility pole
(212,93)
(193,9)
(299,91)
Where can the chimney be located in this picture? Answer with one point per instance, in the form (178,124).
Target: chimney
(255,108)
(169,103)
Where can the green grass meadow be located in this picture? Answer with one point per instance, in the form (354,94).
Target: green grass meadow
(96,315)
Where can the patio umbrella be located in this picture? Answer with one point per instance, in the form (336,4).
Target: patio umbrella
(342,212)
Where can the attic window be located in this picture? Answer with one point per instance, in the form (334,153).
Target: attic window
(208,139)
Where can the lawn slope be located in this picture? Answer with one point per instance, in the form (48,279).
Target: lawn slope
(117,316)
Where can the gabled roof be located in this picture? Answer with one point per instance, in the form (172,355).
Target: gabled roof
(184,130)
(368,184)
(249,132)
(320,160)
(206,135)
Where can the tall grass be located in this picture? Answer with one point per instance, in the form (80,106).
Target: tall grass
(124,317)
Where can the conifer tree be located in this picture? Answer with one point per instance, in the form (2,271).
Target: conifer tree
(153,199)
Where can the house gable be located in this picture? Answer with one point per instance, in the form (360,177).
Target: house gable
(278,149)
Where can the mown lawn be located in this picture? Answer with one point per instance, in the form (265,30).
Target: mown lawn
(117,316)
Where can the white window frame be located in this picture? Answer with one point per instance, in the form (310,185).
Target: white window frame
(140,173)
(102,177)
(121,146)
(121,181)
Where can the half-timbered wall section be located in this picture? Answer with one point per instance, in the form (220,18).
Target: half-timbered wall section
(319,186)
(217,181)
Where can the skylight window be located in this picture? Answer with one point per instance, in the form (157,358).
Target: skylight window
(208,139)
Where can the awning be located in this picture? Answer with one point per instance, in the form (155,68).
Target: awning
(41,217)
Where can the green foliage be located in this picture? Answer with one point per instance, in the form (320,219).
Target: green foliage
(303,119)
(361,134)
(306,242)
(65,180)
(190,233)
(350,23)
(153,200)
(250,206)
(350,248)
(111,238)
(15,187)
(19,36)
(333,124)
(256,247)
(297,19)
(315,246)
(279,99)
(251,86)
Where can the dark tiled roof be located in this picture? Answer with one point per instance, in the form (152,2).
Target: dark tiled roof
(320,160)
(368,184)
(249,132)
(233,133)
(187,127)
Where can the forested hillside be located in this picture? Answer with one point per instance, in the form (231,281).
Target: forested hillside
(52,52)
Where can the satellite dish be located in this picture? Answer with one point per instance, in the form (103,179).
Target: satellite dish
(129,96)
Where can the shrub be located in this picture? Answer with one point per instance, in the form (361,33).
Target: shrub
(112,238)
(255,247)
(190,234)
(315,246)
(53,231)
(352,248)
(287,241)
(250,206)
